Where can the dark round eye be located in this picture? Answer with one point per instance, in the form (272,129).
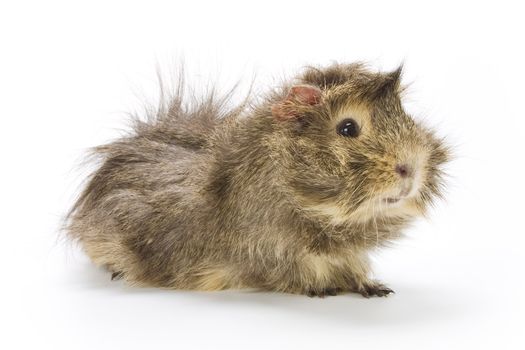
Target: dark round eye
(348,128)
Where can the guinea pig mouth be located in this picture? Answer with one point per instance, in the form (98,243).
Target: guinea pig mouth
(397,198)
(404,193)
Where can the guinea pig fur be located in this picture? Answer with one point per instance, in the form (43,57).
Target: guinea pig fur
(288,194)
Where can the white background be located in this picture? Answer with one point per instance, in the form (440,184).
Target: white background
(69,73)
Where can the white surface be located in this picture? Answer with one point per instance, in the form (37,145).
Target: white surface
(70,71)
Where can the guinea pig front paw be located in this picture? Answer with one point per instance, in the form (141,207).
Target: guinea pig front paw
(117,276)
(373,288)
(321,293)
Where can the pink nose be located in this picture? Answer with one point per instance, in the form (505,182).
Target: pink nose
(403,170)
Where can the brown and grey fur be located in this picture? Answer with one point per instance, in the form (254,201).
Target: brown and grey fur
(209,198)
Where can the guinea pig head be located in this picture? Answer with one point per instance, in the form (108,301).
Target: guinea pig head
(350,151)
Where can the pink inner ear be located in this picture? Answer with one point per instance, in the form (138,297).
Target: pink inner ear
(305,93)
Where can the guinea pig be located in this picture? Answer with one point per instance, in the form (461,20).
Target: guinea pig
(288,194)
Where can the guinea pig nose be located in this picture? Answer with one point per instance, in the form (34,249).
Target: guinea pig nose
(403,170)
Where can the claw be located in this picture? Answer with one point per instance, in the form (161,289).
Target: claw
(116,275)
(379,290)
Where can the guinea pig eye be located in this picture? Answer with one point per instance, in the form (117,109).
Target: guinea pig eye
(348,128)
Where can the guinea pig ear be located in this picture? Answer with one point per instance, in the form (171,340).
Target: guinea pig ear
(299,95)
(390,83)
(395,78)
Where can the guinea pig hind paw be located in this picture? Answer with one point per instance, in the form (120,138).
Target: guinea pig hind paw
(323,292)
